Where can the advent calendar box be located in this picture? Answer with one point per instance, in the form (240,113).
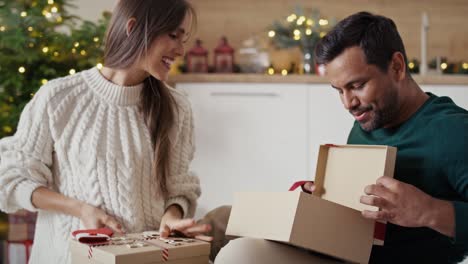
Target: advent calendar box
(138,249)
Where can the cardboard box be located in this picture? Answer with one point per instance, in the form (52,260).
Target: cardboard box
(18,252)
(22,226)
(135,249)
(330,220)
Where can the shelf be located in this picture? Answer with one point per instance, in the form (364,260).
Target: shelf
(312,79)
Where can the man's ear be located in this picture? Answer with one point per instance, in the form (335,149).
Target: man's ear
(398,66)
(130,25)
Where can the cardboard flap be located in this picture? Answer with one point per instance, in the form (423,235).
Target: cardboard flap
(343,171)
(258,205)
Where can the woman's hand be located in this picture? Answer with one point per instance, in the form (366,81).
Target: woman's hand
(171,221)
(93,218)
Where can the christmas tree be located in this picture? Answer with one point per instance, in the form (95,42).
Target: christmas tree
(303,28)
(39,41)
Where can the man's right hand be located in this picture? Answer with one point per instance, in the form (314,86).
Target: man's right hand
(309,187)
(93,218)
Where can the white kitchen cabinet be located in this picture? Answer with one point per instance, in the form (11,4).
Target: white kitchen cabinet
(329,122)
(249,137)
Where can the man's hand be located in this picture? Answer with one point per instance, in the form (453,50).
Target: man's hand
(93,218)
(171,221)
(405,205)
(309,186)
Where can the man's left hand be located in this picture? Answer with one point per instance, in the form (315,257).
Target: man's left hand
(400,203)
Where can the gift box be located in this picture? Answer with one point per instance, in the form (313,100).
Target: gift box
(139,248)
(21,226)
(18,252)
(329,221)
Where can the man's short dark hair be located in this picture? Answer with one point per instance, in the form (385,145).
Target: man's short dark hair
(376,35)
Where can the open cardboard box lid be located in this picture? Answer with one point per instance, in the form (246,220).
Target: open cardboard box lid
(343,171)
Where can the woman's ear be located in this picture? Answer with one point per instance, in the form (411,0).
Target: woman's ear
(130,25)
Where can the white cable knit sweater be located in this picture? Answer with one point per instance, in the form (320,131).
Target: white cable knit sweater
(83,136)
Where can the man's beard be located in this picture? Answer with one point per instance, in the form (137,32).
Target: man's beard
(380,117)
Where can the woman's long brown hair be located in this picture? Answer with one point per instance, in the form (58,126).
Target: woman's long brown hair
(153,18)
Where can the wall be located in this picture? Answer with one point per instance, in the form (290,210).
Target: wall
(241,19)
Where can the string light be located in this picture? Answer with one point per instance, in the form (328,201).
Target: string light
(7,129)
(411,65)
(77,44)
(54,9)
(465,66)
(59,19)
(292,17)
(83,52)
(24,14)
(96,39)
(271,71)
(73,50)
(32,95)
(310,22)
(30,29)
(308,32)
(99,66)
(56,54)
(297,32)
(48,15)
(323,22)
(31,45)
(72,71)
(297,37)
(22,69)
(443,66)
(2,28)
(284,72)
(301,20)
(50,2)
(45,49)
(322,34)
(271,33)
(44,81)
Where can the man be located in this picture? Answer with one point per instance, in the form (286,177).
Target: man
(426,203)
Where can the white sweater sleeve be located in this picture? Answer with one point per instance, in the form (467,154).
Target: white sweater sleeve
(26,157)
(183,186)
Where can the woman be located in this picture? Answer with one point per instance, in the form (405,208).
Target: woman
(111,147)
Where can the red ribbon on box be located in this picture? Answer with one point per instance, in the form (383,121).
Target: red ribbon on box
(27,246)
(301,184)
(93,236)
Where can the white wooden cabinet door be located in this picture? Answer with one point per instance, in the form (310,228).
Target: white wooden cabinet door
(249,137)
(329,122)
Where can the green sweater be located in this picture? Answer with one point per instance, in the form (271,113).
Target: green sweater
(433,156)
